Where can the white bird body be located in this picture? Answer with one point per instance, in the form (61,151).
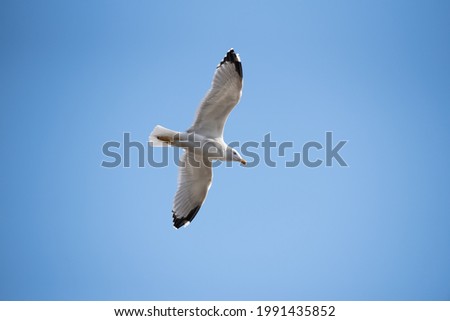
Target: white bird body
(203,141)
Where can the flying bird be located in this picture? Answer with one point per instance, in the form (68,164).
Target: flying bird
(203,141)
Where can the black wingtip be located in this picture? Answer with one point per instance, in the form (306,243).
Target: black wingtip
(233,57)
(179,222)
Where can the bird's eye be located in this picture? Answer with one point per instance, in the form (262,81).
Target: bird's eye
(234,153)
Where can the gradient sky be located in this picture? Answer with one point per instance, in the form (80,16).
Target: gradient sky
(77,74)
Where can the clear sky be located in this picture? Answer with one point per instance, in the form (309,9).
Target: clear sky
(77,74)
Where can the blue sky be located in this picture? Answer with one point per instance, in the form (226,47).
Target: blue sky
(76,74)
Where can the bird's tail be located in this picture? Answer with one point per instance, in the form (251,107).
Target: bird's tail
(162,136)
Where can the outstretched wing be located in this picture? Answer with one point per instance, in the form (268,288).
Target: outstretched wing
(194,180)
(224,94)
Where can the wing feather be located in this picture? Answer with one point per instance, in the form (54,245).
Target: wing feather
(224,94)
(194,181)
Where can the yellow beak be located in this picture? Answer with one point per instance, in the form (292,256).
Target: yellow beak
(243,162)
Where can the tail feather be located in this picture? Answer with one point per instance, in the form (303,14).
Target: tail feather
(162,132)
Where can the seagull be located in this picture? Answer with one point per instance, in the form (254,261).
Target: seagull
(203,141)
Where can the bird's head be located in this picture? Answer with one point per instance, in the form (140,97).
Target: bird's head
(233,155)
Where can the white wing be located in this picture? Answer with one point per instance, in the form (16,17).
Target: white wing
(194,180)
(224,94)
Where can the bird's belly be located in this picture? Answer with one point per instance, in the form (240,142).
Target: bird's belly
(201,146)
(211,150)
